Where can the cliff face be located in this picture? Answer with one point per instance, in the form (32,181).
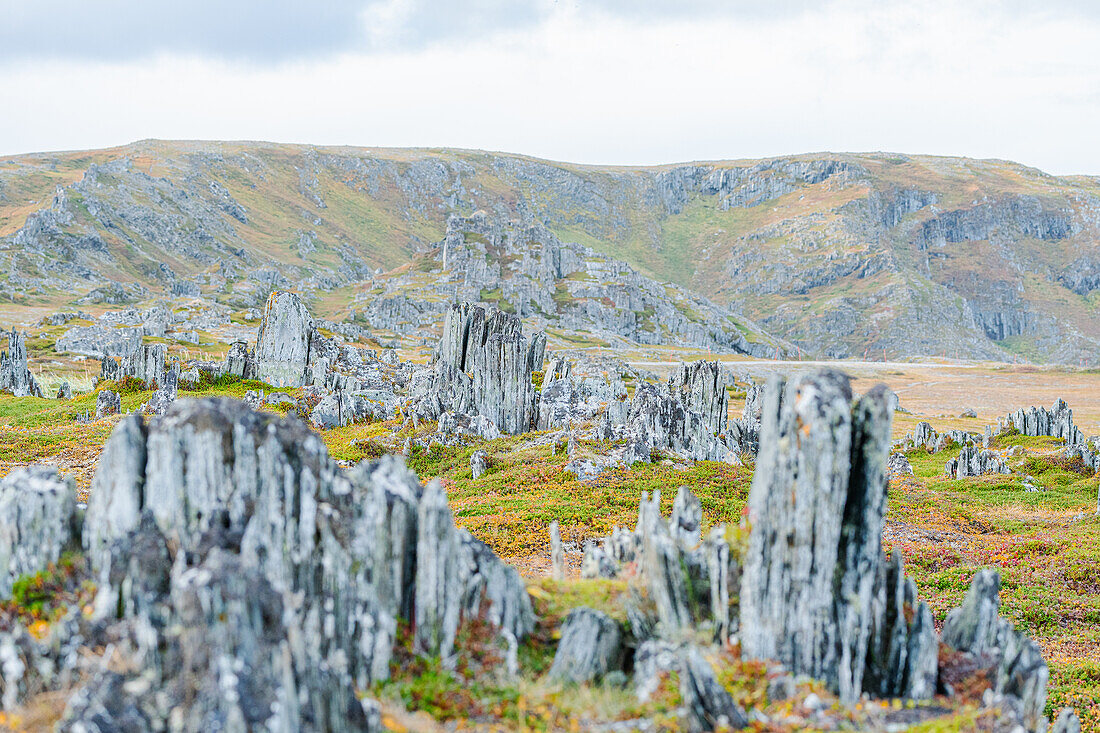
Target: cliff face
(843,255)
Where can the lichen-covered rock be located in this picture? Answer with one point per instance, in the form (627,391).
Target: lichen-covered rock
(815,591)
(282,346)
(591,645)
(14,375)
(38,521)
(1016,661)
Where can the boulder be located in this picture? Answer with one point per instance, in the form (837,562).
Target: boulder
(591,645)
(240,361)
(107,403)
(479,463)
(898,467)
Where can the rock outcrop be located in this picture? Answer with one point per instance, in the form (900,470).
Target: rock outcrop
(974,461)
(145,362)
(38,521)
(591,645)
(1015,662)
(244,580)
(15,377)
(107,403)
(688,417)
(483,367)
(1056,422)
(282,346)
(817,592)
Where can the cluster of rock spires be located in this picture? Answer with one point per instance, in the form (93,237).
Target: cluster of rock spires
(15,377)
(244,580)
(812,588)
(973,460)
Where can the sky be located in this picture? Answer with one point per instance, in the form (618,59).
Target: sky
(590,81)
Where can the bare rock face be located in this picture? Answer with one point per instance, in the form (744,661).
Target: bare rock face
(14,375)
(282,347)
(815,589)
(591,646)
(484,366)
(1016,662)
(227,540)
(107,403)
(38,521)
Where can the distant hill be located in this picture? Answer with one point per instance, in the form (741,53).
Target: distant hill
(839,254)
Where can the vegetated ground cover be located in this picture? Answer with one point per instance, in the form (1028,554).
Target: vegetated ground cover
(1046,545)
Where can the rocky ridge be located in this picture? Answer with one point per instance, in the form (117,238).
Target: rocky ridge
(951,256)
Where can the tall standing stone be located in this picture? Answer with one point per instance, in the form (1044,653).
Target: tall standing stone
(814,588)
(282,347)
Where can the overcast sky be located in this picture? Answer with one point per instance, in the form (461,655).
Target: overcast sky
(597,81)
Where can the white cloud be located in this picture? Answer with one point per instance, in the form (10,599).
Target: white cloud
(925,76)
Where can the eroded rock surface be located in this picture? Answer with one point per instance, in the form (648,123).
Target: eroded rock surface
(814,583)
(245,580)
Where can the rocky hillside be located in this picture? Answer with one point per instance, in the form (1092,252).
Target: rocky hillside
(841,255)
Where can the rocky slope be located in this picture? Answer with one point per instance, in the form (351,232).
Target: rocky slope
(843,255)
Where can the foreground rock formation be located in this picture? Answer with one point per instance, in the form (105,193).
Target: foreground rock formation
(817,592)
(245,581)
(812,588)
